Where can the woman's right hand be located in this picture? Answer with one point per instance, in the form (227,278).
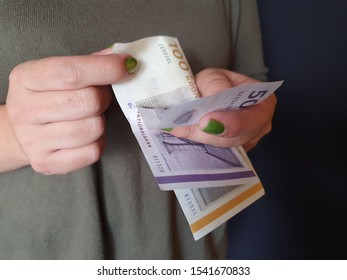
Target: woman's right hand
(55,106)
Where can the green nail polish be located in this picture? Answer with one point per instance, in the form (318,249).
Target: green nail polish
(110,46)
(167,129)
(131,65)
(214,127)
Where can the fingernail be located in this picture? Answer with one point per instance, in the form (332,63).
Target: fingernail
(214,127)
(110,46)
(131,65)
(167,129)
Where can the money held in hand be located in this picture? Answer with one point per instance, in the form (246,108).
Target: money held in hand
(211,184)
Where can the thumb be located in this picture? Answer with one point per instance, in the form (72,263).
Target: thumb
(211,81)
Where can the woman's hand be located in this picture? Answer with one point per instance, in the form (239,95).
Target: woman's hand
(55,106)
(227,129)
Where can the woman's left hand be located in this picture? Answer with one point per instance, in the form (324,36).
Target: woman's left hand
(229,129)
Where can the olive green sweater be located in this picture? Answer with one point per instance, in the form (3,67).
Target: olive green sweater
(113,209)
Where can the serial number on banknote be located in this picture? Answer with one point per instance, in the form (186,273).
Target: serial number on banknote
(165,53)
(158,164)
(191,204)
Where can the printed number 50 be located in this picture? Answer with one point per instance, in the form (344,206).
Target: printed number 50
(253,98)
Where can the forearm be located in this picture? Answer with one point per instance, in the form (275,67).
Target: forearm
(11,155)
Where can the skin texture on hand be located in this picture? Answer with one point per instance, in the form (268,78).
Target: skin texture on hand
(11,154)
(56,108)
(229,129)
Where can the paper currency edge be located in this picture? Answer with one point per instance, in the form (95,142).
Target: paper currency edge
(222,214)
(227,210)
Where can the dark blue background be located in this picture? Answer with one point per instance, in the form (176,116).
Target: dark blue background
(302,163)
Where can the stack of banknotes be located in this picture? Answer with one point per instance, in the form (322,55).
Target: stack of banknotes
(212,184)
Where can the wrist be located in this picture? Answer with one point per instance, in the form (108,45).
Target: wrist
(11,155)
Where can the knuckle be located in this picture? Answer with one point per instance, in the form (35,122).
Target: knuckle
(69,72)
(268,128)
(92,103)
(211,81)
(98,126)
(94,152)
(273,99)
(94,100)
(92,128)
(87,156)
(250,145)
(87,101)
(14,76)
(205,73)
(234,130)
(19,72)
(188,132)
(40,166)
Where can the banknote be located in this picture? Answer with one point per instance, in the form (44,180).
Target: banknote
(180,163)
(189,113)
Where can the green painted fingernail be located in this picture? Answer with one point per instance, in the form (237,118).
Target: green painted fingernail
(131,65)
(167,129)
(214,127)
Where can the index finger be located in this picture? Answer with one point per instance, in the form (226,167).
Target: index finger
(71,72)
